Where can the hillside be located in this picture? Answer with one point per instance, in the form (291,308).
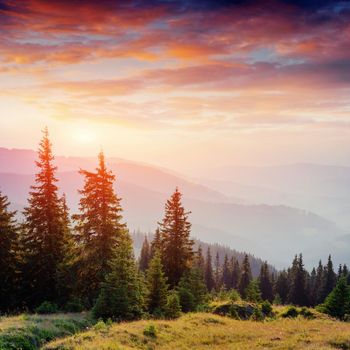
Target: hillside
(205,331)
(272,232)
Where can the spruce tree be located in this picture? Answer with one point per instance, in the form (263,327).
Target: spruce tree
(226,276)
(67,273)
(329,278)
(8,254)
(145,255)
(191,289)
(199,262)
(297,289)
(121,296)
(156,244)
(98,228)
(235,273)
(217,273)
(176,245)
(282,286)
(246,276)
(252,292)
(337,303)
(157,286)
(208,272)
(43,231)
(319,297)
(265,283)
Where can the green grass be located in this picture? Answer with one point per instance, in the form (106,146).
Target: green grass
(30,332)
(208,331)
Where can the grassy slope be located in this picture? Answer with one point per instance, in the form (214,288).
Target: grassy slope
(206,331)
(29,332)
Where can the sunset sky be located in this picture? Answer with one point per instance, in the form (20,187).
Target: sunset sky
(182,84)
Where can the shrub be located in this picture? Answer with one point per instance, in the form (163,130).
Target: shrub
(46,308)
(173,307)
(257,315)
(292,312)
(150,331)
(277,300)
(307,313)
(74,305)
(266,308)
(234,295)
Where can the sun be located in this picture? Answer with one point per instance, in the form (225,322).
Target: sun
(84,136)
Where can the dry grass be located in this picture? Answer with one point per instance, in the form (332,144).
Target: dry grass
(206,331)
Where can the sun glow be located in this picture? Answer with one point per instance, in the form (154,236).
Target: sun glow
(84,136)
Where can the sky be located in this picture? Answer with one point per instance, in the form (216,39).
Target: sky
(181,84)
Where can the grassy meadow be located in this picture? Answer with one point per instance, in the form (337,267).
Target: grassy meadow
(207,331)
(30,332)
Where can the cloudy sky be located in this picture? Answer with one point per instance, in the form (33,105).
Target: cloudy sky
(181,84)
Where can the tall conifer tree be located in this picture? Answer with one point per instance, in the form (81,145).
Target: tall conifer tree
(157,286)
(145,255)
(98,227)
(265,283)
(176,245)
(8,254)
(44,231)
(208,272)
(226,276)
(246,276)
(121,296)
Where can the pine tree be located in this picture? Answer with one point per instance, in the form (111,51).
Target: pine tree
(8,254)
(199,262)
(235,273)
(217,274)
(145,255)
(319,298)
(329,278)
(176,245)
(297,289)
(192,290)
(44,231)
(252,292)
(208,272)
(98,228)
(337,303)
(66,274)
(157,286)
(246,276)
(226,276)
(265,284)
(121,296)
(282,286)
(312,290)
(156,243)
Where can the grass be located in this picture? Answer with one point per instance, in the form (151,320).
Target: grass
(30,332)
(207,331)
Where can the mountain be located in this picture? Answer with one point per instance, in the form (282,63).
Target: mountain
(322,189)
(272,232)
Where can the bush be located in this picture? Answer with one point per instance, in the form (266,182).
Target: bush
(292,312)
(266,308)
(150,331)
(173,307)
(74,305)
(46,308)
(257,315)
(277,300)
(234,295)
(305,312)
(187,300)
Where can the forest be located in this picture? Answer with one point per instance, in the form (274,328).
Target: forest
(53,261)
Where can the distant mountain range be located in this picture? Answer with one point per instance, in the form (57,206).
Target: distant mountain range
(220,213)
